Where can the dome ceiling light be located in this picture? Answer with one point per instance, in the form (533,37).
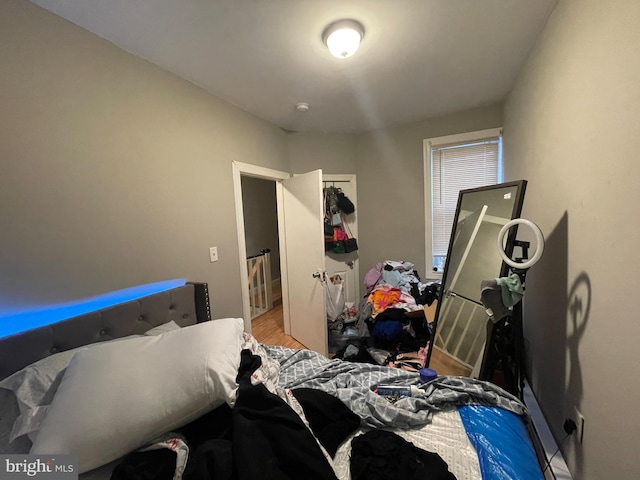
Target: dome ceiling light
(343,37)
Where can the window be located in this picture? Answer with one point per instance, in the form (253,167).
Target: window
(454,163)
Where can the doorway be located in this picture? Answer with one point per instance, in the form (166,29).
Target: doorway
(301,243)
(240,171)
(262,243)
(263,261)
(271,177)
(300,207)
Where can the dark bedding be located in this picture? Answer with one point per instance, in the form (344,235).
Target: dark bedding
(262,412)
(261,437)
(266,436)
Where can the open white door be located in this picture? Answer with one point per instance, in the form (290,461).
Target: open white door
(303,234)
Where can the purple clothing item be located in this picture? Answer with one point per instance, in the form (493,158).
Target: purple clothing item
(372,277)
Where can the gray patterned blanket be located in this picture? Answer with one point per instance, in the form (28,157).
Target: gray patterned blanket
(352,383)
(284,368)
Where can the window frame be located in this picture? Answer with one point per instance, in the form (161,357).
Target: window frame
(428,144)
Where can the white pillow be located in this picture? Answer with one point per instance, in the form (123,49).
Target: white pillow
(117,397)
(35,385)
(162,328)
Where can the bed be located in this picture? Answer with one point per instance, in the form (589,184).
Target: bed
(154,388)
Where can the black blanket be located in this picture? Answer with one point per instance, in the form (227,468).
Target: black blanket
(260,438)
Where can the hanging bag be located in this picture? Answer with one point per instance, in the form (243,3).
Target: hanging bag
(334,292)
(344,204)
(350,244)
(329,222)
(337,237)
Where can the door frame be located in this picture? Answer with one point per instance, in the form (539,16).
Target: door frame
(248,170)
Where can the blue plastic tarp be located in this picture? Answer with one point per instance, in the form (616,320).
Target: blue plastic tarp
(504,448)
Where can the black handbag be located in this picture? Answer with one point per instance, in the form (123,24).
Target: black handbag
(344,204)
(350,245)
(328,229)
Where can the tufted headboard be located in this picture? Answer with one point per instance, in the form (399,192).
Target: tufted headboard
(185,305)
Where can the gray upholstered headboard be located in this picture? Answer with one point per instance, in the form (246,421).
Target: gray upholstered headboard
(184,305)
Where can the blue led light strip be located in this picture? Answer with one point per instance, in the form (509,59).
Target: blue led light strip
(16,322)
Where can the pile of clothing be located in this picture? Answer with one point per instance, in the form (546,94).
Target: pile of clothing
(391,314)
(402,276)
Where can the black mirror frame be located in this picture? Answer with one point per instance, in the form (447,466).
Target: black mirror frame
(511,237)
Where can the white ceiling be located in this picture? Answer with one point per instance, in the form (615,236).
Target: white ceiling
(418,59)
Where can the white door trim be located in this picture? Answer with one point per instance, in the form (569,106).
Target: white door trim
(239,169)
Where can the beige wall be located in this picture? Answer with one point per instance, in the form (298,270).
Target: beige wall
(113,172)
(333,153)
(390,168)
(571,128)
(116,173)
(390,178)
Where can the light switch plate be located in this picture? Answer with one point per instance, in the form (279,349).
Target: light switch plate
(213,254)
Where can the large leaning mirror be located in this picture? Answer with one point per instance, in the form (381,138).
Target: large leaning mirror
(459,327)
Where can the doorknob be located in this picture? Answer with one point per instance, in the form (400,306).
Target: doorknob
(320,274)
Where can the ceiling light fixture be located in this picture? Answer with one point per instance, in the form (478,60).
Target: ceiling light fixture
(302,107)
(343,37)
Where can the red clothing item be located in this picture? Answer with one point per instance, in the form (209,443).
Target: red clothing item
(382,297)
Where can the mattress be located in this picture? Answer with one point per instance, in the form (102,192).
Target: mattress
(468,423)
(445,435)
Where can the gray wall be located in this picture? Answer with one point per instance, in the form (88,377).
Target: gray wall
(116,173)
(113,172)
(391,213)
(261,219)
(571,128)
(389,165)
(332,152)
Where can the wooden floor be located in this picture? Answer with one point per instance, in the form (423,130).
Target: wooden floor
(268,329)
(446,365)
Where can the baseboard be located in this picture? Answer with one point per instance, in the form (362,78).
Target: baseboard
(544,443)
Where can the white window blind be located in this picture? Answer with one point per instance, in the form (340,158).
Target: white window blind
(456,167)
